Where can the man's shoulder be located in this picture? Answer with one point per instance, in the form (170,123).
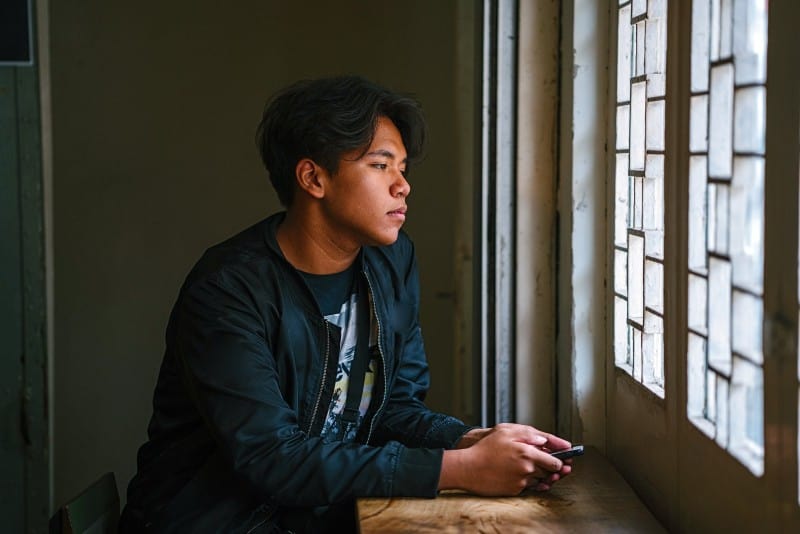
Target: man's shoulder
(244,251)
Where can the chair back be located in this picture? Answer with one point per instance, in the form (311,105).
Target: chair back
(94,511)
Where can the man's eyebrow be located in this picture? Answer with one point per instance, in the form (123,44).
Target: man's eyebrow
(385,153)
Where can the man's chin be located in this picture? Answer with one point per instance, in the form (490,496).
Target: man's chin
(384,240)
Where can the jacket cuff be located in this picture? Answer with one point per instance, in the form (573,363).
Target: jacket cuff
(417,473)
(466,428)
(447,432)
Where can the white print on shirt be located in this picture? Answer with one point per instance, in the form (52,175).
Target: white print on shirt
(334,429)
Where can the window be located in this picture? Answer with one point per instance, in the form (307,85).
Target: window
(726,225)
(639,192)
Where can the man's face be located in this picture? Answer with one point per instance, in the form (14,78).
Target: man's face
(365,201)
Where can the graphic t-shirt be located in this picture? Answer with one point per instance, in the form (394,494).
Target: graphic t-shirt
(334,429)
(328,290)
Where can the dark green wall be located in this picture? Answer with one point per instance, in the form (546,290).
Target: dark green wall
(24,463)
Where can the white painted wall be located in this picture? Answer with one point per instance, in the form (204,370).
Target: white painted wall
(537,166)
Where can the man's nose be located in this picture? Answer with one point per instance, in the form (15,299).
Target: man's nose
(401,186)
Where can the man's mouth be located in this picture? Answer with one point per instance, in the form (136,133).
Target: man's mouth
(399,212)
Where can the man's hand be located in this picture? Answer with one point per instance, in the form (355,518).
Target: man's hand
(504,460)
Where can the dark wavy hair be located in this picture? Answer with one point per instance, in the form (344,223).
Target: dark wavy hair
(324,118)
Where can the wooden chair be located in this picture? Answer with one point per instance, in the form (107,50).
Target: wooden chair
(94,511)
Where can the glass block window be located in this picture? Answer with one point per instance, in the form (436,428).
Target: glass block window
(726,225)
(639,191)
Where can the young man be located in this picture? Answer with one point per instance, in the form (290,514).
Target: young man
(294,374)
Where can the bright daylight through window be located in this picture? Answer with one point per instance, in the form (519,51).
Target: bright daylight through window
(639,191)
(726,225)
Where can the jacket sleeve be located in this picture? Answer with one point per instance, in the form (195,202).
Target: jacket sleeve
(406,418)
(232,378)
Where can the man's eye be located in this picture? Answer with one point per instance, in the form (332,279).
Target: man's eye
(381,166)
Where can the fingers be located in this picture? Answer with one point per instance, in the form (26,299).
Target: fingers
(544,461)
(524,433)
(546,483)
(518,457)
(554,443)
(534,436)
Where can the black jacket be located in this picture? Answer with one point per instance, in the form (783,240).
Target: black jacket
(244,388)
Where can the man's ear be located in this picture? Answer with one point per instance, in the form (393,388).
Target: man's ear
(309,177)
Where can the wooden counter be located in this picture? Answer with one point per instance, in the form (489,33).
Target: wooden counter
(594,498)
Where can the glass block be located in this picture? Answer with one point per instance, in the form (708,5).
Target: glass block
(623,125)
(624,47)
(698,124)
(711,395)
(747,427)
(637,354)
(751,378)
(637,137)
(654,126)
(654,167)
(631,205)
(639,7)
(621,202)
(635,278)
(749,118)
(656,53)
(639,35)
(637,182)
(720,122)
(653,322)
(653,351)
(656,9)
(722,412)
(697,213)
(654,285)
(654,244)
(696,376)
(656,85)
(621,332)
(711,222)
(698,297)
(719,315)
(721,198)
(621,272)
(701,13)
(653,203)
(629,355)
(747,223)
(747,317)
(654,46)
(714,29)
(725,28)
(750,41)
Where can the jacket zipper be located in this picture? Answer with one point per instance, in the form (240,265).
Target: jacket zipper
(383,359)
(324,376)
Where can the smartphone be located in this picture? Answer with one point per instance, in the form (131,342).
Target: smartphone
(575,450)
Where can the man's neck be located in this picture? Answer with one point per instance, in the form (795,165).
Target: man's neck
(309,249)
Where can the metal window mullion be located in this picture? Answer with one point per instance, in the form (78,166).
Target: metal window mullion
(505,207)
(498,213)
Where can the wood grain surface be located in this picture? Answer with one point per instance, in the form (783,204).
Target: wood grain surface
(594,498)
